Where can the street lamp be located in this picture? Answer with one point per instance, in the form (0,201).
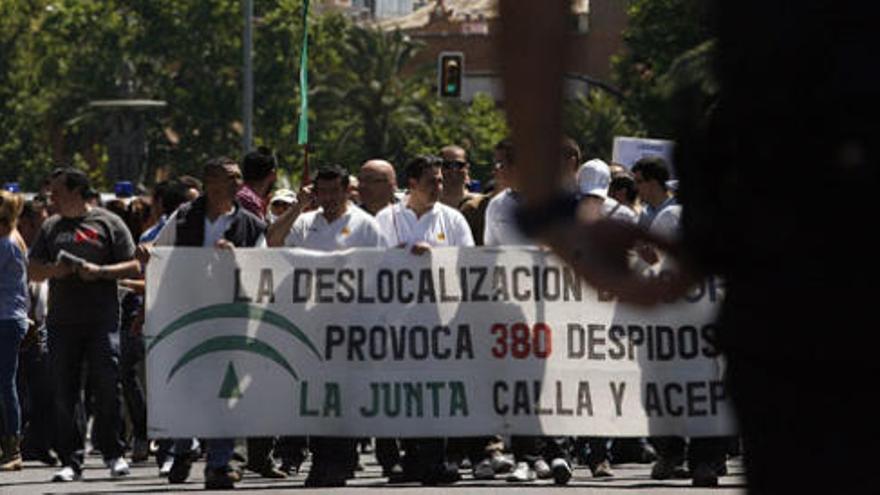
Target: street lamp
(127,137)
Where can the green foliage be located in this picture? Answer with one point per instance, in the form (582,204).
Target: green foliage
(593,121)
(659,32)
(57,56)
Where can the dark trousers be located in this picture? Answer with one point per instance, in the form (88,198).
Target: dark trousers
(259,452)
(387,452)
(36,396)
(332,457)
(70,347)
(132,353)
(219,451)
(708,450)
(292,450)
(423,456)
(598,449)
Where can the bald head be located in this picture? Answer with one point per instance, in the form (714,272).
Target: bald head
(377,185)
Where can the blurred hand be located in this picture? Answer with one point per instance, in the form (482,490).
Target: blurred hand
(62,270)
(225,245)
(142,253)
(598,252)
(647,253)
(306,198)
(89,272)
(420,248)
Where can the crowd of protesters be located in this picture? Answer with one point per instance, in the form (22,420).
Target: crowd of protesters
(71,309)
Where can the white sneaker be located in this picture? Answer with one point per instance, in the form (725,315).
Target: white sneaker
(521,474)
(118,467)
(483,470)
(166,467)
(542,470)
(65,475)
(501,464)
(561,471)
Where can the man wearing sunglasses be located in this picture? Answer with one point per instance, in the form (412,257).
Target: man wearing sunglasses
(456,176)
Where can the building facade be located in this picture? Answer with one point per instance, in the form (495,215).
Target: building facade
(468,26)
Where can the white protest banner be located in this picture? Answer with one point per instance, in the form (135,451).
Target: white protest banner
(458,342)
(628,150)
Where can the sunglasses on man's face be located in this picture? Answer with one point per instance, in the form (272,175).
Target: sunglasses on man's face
(454,165)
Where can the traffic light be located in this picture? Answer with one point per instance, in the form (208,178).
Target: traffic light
(451,70)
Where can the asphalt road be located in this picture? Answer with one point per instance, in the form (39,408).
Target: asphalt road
(144,479)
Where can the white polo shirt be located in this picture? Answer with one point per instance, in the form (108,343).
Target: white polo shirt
(615,210)
(440,226)
(501,227)
(666,223)
(355,228)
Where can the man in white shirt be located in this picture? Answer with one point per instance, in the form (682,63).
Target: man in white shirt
(502,230)
(418,223)
(651,175)
(661,214)
(215,219)
(593,179)
(456,176)
(336,225)
(421,221)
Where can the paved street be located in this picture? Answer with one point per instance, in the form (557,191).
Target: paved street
(631,478)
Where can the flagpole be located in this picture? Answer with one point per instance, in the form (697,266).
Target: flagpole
(306,180)
(303,131)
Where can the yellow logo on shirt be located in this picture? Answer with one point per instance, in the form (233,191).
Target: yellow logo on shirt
(346,230)
(441,236)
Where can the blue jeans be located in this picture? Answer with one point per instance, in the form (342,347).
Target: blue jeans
(11,334)
(70,347)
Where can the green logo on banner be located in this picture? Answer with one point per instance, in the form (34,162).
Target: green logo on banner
(230,387)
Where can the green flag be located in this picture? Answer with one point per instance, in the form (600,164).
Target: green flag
(303,134)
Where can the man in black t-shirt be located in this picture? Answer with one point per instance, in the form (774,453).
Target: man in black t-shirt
(82,251)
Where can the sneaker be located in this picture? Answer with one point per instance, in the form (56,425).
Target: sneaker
(66,474)
(501,464)
(666,469)
(542,470)
(521,474)
(705,475)
(222,478)
(118,467)
(561,471)
(165,468)
(484,471)
(602,470)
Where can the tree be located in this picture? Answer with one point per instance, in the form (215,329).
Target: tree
(383,106)
(594,120)
(57,56)
(659,32)
(476,126)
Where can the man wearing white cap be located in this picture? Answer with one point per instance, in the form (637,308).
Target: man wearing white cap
(280,201)
(593,179)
